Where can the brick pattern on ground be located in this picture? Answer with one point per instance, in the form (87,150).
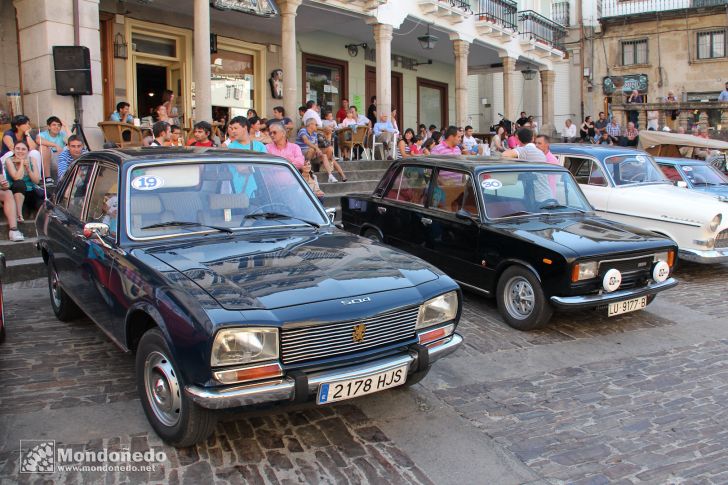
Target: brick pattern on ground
(657,418)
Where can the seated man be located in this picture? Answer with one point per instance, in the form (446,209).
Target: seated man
(307,140)
(384,131)
(122,114)
(52,142)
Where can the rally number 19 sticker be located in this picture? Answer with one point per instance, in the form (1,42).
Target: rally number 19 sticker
(491,184)
(147,182)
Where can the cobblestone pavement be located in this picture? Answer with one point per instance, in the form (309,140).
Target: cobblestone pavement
(653,412)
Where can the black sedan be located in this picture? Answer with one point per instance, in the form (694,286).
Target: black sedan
(227,278)
(523,232)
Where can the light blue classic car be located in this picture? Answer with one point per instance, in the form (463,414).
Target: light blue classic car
(695,175)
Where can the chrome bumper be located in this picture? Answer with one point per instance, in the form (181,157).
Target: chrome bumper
(591,301)
(704,255)
(285,389)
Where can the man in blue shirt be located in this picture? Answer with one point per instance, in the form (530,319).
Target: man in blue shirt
(384,131)
(723,98)
(52,142)
(240,136)
(122,114)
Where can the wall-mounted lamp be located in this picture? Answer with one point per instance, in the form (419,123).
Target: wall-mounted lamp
(415,64)
(353,49)
(120,46)
(529,74)
(427,41)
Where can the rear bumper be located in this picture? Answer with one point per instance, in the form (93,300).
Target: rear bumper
(704,255)
(592,301)
(303,386)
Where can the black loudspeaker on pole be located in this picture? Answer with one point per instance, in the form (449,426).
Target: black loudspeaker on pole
(72,66)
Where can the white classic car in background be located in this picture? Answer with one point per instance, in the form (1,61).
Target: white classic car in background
(626,185)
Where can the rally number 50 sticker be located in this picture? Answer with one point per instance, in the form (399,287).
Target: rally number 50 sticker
(147,182)
(491,184)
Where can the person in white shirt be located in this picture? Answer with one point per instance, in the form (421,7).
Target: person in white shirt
(470,143)
(569,133)
(312,112)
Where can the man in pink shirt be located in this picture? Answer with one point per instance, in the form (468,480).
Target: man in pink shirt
(280,146)
(543,143)
(449,144)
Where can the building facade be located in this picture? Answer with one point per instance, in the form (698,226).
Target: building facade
(435,62)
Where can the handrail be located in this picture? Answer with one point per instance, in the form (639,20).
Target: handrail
(499,12)
(534,26)
(620,8)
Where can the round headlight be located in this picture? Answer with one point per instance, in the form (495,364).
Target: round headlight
(660,271)
(612,280)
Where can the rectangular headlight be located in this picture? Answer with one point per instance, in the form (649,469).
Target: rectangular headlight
(584,271)
(666,256)
(438,310)
(235,346)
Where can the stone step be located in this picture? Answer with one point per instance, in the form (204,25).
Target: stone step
(341,188)
(19,250)
(348,166)
(25,269)
(353,175)
(27,228)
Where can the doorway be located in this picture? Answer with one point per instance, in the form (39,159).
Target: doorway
(151,81)
(397,88)
(432,106)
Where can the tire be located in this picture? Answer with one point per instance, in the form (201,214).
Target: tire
(521,301)
(64,308)
(373,234)
(176,419)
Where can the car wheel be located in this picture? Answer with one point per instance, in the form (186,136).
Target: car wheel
(521,300)
(372,234)
(64,308)
(176,419)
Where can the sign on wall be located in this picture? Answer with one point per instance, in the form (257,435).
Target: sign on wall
(626,84)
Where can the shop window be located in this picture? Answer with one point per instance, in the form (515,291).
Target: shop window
(634,52)
(711,45)
(158,46)
(233,84)
(432,105)
(324,81)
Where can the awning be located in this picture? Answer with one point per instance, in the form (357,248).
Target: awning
(649,138)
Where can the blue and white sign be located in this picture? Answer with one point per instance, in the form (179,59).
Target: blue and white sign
(491,184)
(147,182)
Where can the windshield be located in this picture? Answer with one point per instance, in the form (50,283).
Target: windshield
(510,194)
(704,175)
(634,169)
(179,198)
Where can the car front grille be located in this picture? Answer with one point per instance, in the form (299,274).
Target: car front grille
(333,339)
(635,270)
(721,240)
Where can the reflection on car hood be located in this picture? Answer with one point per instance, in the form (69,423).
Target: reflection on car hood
(584,236)
(267,272)
(718,191)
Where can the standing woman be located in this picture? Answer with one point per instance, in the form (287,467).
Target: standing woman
(168,103)
(23,175)
(587,131)
(497,142)
(405,144)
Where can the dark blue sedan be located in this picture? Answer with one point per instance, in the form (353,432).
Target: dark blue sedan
(695,175)
(226,277)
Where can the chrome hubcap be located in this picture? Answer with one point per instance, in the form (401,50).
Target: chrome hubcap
(160,382)
(519,298)
(55,290)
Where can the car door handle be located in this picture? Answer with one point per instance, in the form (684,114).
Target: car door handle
(382,210)
(425,221)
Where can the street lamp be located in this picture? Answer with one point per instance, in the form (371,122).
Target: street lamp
(529,74)
(261,8)
(427,41)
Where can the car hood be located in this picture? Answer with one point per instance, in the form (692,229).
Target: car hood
(268,271)
(666,202)
(584,236)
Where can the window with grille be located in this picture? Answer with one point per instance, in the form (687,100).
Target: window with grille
(634,52)
(711,45)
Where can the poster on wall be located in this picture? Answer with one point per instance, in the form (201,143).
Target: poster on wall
(625,84)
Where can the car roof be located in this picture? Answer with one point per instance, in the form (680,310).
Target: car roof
(598,150)
(478,163)
(122,155)
(680,161)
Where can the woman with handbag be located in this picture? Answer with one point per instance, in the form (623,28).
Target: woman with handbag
(23,176)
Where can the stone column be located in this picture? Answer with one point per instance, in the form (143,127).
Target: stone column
(509,80)
(289,55)
(703,121)
(548,79)
(203,83)
(724,120)
(683,118)
(461,49)
(642,118)
(383,41)
(41,25)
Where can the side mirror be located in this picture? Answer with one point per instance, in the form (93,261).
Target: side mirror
(331,212)
(681,183)
(464,215)
(98,230)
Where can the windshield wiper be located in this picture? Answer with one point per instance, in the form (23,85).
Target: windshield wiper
(560,206)
(517,213)
(186,224)
(278,215)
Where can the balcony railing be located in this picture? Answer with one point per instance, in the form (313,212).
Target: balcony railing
(463,5)
(533,26)
(620,8)
(499,12)
(560,13)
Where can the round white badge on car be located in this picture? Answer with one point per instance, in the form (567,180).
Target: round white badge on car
(612,280)
(660,271)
